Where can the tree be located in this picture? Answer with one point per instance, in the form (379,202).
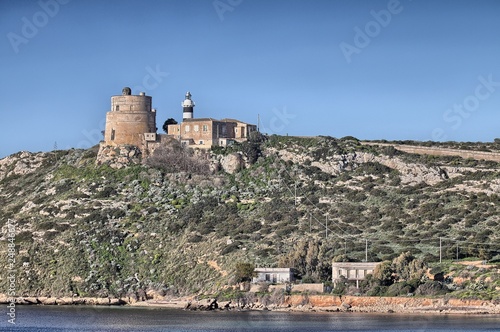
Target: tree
(407,267)
(244,272)
(383,273)
(168,122)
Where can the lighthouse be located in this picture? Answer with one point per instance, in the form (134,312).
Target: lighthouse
(187,107)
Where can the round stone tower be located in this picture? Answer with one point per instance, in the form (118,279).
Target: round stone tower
(187,107)
(129,119)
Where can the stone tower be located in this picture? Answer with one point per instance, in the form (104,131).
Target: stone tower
(130,119)
(187,107)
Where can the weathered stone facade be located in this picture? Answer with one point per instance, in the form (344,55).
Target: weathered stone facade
(207,132)
(131,120)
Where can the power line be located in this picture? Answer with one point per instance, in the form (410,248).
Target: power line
(345,236)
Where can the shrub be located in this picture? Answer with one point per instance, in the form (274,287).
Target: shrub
(400,289)
(174,158)
(244,272)
(377,290)
(431,288)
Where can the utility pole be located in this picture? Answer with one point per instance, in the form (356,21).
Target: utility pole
(440,249)
(366,250)
(295,201)
(326,226)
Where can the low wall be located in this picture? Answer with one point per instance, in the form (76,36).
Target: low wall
(435,151)
(316,288)
(381,303)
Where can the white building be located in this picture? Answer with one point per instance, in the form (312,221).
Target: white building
(352,271)
(274,275)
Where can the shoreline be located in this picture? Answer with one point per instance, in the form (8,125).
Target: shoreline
(291,303)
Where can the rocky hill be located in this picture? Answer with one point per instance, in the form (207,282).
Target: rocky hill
(181,222)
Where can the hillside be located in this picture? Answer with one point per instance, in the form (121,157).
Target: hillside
(182,223)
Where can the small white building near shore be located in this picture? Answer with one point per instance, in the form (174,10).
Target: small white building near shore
(274,275)
(352,271)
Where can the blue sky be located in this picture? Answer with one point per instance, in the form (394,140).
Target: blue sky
(395,70)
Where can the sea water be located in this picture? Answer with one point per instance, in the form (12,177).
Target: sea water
(120,319)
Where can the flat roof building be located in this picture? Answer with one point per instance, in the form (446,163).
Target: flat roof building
(352,271)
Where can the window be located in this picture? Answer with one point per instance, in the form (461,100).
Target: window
(113,135)
(201,142)
(117,107)
(196,128)
(236,130)
(205,128)
(187,128)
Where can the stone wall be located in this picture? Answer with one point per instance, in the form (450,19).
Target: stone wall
(315,288)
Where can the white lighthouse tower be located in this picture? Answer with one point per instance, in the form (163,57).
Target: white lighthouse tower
(187,107)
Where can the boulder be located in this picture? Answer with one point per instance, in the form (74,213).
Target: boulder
(232,163)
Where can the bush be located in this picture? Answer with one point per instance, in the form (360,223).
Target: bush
(399,289)
(230,248)
(377,290)
(174,158)
(431,288)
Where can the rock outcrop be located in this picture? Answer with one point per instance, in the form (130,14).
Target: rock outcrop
(118,156)
(23,163)
(232,163)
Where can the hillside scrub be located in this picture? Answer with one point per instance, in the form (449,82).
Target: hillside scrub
(174,228)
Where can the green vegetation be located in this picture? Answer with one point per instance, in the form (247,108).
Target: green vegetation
(181,225)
